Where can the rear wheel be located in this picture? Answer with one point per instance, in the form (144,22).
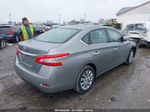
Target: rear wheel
(16,39)
(130,57)
(148,44)
(85,80)
(3,44)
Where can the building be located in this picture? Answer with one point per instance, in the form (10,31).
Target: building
(134,14)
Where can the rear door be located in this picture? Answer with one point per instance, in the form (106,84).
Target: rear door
(101,50)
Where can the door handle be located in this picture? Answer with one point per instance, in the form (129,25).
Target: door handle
(96,52)
(115,49)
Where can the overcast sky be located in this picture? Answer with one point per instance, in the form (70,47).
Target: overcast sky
(43,10)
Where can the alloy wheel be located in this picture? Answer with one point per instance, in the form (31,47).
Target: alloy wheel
(3,44)
(86,79)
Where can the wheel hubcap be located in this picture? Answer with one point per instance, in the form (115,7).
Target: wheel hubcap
(3,44)
(86,79)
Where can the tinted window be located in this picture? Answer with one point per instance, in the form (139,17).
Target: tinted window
(58,35)
(139,27)
(4,29)
(129,27)
(114,36)
(132,27)
(98,36)
(5,26)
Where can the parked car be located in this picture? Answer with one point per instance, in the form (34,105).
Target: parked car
(71,57)
(40,30)
(10,32)
(139,31)
(56,26)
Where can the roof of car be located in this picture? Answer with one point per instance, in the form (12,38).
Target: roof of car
(84,26)
(5,25)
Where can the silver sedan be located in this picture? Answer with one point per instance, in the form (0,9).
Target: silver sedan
(71,57)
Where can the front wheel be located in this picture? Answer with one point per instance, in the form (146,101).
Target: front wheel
(130,57)
(3,44)
(85,80)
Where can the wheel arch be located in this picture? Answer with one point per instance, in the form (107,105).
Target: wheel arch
(94,67)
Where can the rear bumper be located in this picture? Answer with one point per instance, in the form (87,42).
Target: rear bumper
(53,79)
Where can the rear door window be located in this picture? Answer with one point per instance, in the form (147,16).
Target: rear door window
(98,36)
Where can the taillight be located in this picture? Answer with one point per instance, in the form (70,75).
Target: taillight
(10,31)
(17,51)
(52,60)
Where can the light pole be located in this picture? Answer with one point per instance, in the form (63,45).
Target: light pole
(84,16)
(59,17)
(10,17)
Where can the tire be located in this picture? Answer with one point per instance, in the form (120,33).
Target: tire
(148,45)
(140,45)
(16,39)
(130,57)
(3,44)
(85,80)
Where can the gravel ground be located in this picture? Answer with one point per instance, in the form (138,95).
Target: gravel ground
(125,87)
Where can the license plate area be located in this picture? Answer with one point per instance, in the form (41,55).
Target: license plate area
(26,59)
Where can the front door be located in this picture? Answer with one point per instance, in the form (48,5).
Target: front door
(119,46)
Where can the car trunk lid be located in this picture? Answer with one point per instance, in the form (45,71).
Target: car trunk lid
(30,49)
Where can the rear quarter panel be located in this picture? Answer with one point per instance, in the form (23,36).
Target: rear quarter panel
(72,65)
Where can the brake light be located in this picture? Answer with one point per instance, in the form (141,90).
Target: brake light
(45,85)
(51,60)
(17,51)
(10,31)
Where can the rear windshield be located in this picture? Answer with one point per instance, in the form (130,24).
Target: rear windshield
(4,26)
(3,29)
(132,27)
(58,35)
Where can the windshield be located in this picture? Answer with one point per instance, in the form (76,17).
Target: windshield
(58,35)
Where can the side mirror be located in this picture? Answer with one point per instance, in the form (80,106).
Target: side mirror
(125,39)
